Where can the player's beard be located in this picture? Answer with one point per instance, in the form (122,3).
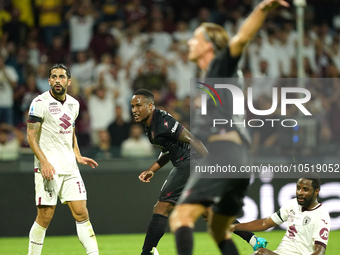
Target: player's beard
(60,92)
(306,202)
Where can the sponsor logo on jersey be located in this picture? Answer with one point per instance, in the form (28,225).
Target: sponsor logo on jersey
(324,234)
(173,130)
(291,215)
(166,124)
(65,132)
(292,231)
(65,121)
(306,220)
(54,109)
(70,106)
(53,103)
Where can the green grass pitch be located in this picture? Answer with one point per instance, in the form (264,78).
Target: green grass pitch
(130,244)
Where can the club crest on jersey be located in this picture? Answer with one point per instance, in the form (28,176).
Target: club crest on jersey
(54,109)
(166,124)
(306,220)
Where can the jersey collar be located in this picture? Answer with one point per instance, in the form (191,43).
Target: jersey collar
(152,117)
(315,207)
(61,101)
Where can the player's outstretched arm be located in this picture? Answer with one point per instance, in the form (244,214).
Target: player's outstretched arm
(198,146)
(252,24)
(319,250)
(47,170)
(145,176)
(80,159)
(253,226)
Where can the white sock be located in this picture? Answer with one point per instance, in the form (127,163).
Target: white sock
(87,237)
(36,239)
(252,240)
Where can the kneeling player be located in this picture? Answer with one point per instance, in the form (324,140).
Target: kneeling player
(308,222)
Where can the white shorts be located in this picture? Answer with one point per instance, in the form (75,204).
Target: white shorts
(68,187)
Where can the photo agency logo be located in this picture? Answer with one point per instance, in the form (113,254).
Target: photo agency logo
(302,96)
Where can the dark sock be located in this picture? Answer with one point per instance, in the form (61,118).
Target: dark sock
(154,233)
(227,247)
(244,234)
(184,241)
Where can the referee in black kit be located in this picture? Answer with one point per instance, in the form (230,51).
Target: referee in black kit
(213,52)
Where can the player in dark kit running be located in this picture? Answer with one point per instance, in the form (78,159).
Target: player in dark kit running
(174,141)
(211,49)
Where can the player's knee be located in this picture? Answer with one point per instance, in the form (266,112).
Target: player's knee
(205,217)
(205,214)
(174,221)
(180,218)
(80,214)
(163,208)
(45,215)
(177,219)
(44,220)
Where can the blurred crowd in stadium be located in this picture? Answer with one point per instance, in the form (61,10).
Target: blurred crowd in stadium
(114,47)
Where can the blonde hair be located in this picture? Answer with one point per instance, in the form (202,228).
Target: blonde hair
(216,35)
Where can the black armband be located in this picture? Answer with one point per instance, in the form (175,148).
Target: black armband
(33,119)
(279,214)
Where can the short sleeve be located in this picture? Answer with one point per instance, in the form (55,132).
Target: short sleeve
(224,64)
(281,215)
(172,127)
(36,109)
(77,110)
(321,230)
